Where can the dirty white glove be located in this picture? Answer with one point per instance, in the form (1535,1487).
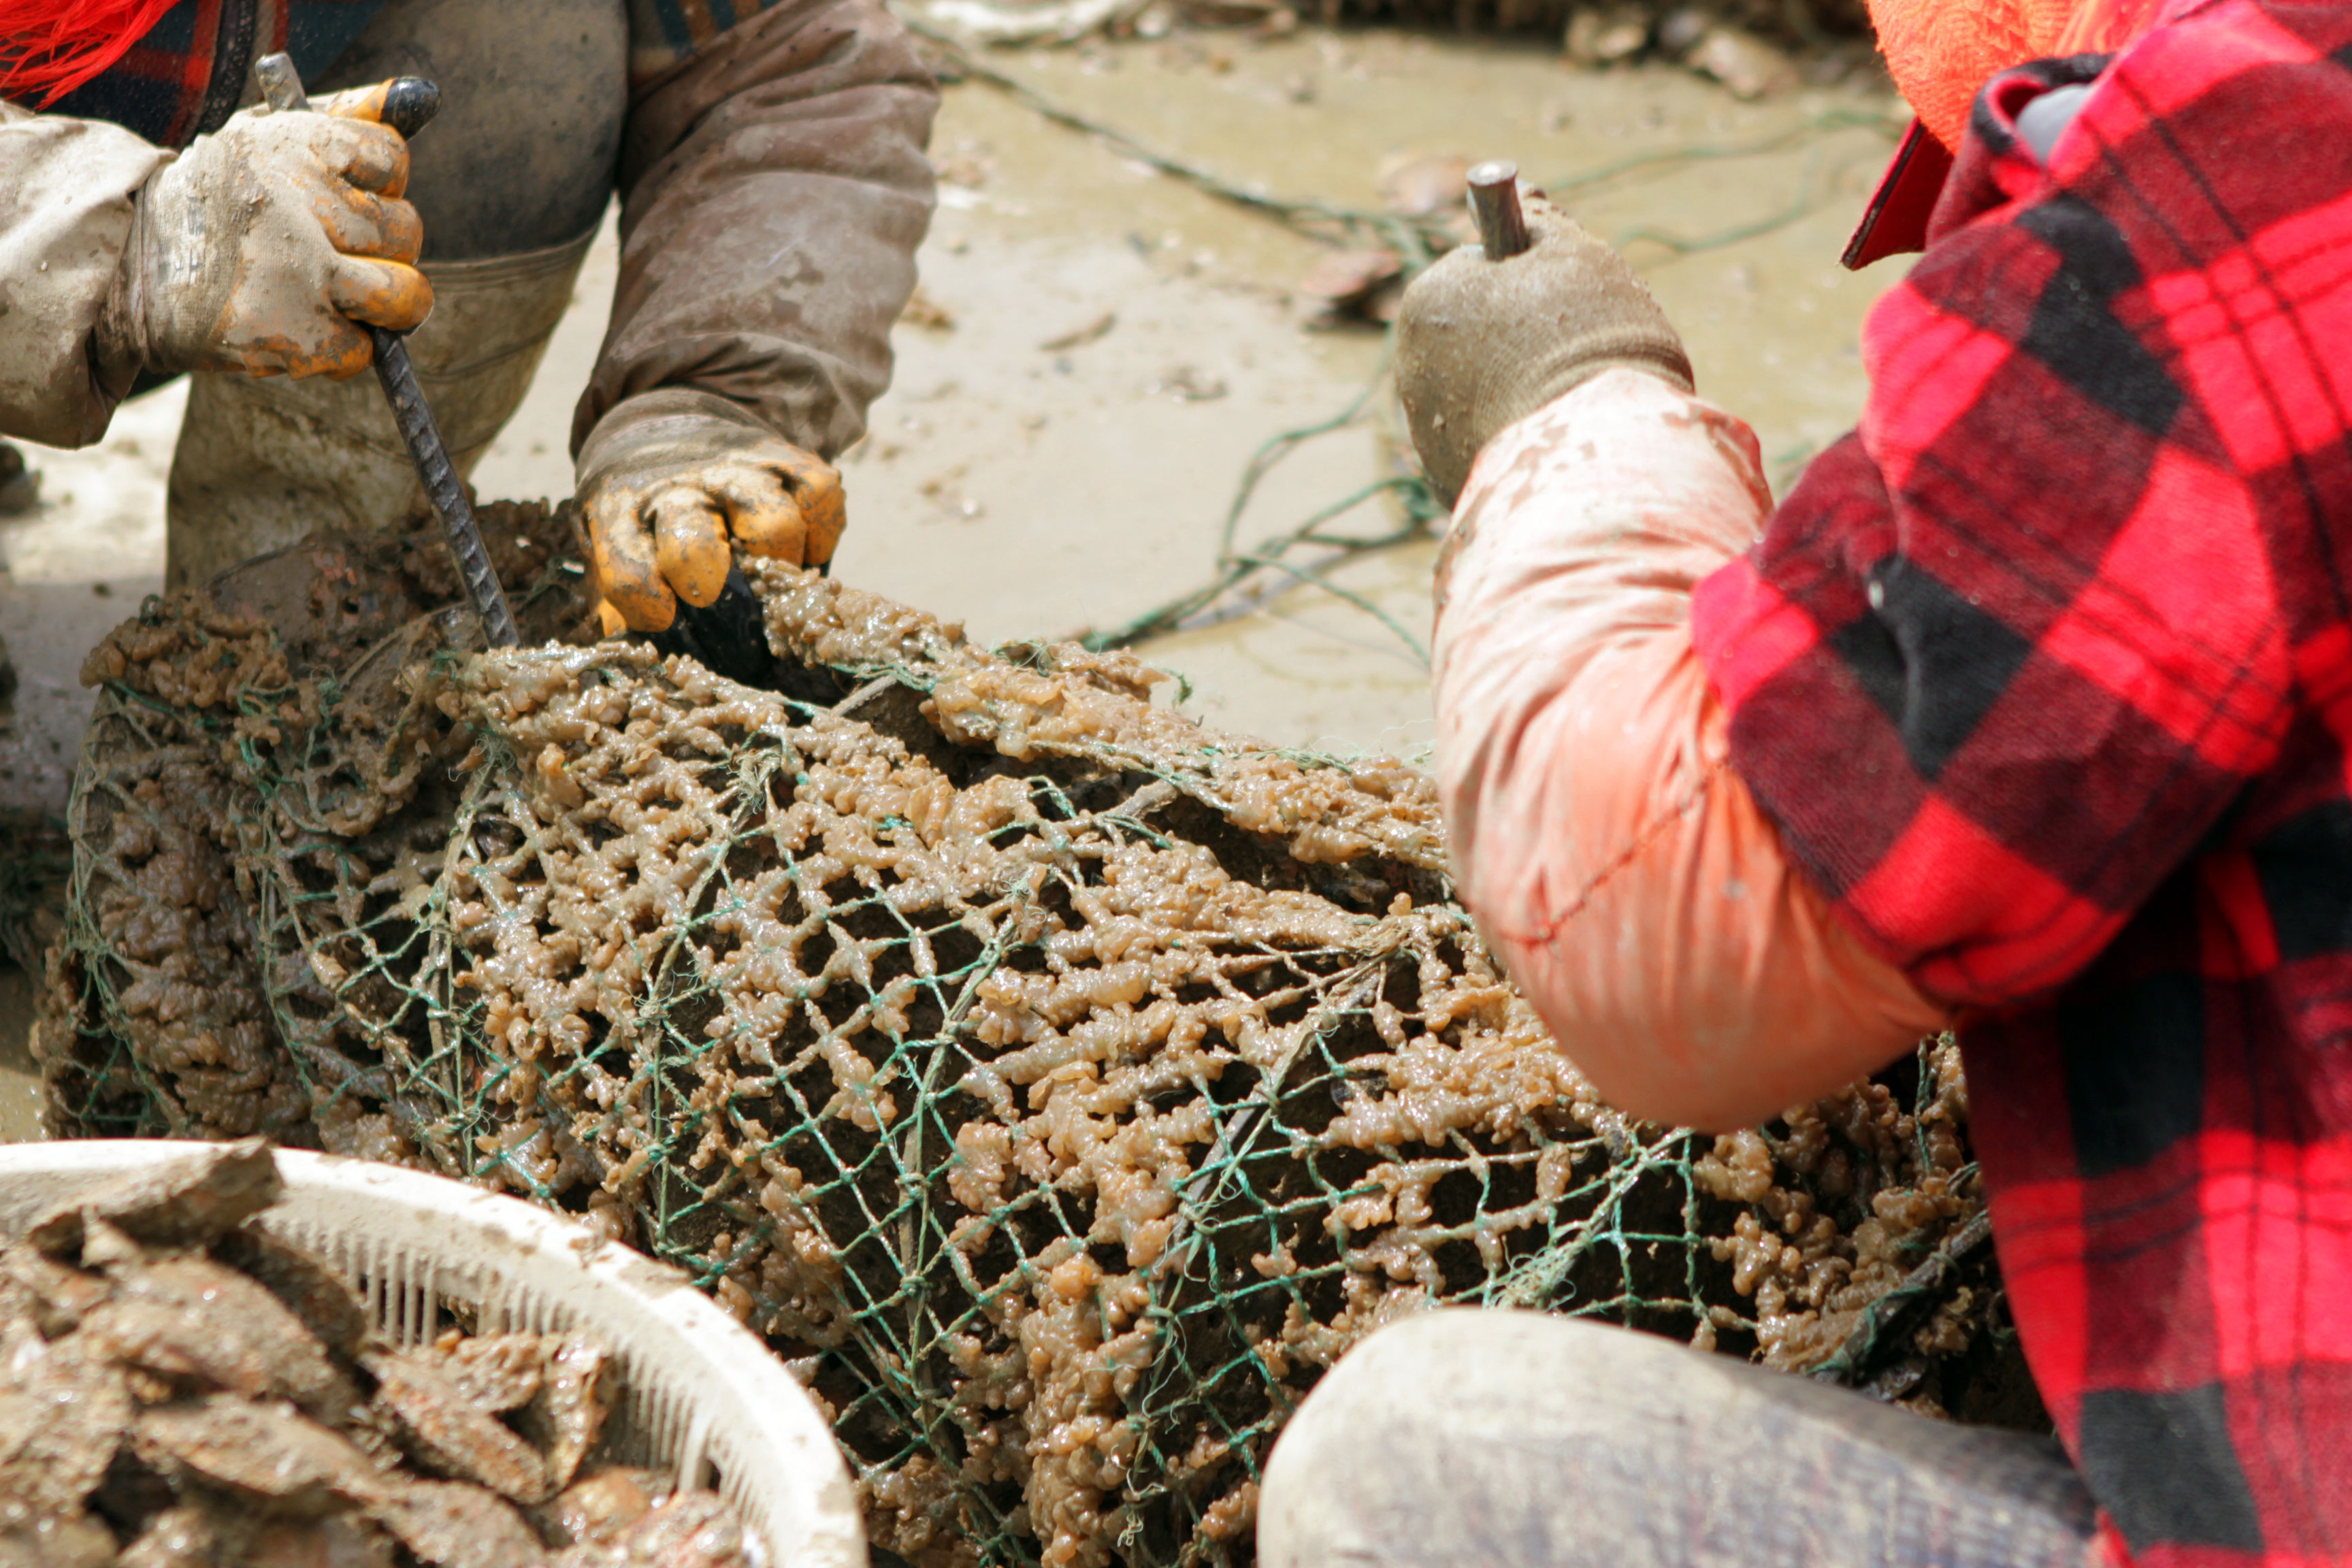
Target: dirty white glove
(1482,344)
(262,248)
(672,480)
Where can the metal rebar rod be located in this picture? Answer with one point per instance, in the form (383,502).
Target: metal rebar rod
(1495,199)
(444,489)
(406,108)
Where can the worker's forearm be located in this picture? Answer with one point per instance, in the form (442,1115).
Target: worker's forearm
(1621,869)
(66,192)
(775,189)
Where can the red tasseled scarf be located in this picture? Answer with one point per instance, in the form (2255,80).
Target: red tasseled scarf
(51,47)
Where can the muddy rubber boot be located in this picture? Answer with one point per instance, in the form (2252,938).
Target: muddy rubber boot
(262,462)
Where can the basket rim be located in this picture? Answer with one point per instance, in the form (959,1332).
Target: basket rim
(771,1409)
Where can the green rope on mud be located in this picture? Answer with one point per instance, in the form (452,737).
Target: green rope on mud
(1801,206)
(1417,241)
(1410,237)
(1236,565)
(1806,129)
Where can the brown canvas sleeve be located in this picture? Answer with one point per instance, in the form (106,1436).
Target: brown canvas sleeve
(775,188)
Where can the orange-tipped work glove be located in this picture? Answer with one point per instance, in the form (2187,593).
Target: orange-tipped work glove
(262,248)
(1482,344)
(673,480)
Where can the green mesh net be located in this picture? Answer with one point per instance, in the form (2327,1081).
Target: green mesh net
(1062,1086)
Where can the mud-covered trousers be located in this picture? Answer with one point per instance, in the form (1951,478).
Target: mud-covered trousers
(1514,1440)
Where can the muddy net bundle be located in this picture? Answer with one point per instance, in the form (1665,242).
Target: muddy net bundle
(1062,1086)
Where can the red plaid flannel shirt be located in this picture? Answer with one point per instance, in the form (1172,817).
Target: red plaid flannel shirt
(2046,674)
(188,74)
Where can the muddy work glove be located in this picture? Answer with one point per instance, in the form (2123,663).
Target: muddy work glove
(262,248)
(1482,344)
(673,480)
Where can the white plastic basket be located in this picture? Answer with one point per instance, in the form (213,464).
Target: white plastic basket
(697,1393)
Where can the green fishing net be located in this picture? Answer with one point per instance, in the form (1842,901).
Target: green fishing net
(1060,1085)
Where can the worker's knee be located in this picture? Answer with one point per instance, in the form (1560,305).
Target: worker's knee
(1513,1438)
(1417,1422)
(1345,1438)
(1377,1386)
(1467,1367)
(1384,1377)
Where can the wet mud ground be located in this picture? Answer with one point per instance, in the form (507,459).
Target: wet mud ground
(1104,348)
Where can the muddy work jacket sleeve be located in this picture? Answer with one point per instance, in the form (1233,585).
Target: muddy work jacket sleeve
(775,188)
(1612,857)
(66,194)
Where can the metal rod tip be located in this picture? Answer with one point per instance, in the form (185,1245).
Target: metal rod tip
(1494,201)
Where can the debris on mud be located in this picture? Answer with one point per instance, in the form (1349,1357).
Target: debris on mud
(1063,1085)
(177,1387)
(1750,46)
(20,484)
(1346,284)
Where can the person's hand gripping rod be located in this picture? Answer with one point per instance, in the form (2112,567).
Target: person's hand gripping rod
(1489,333)
(409,103)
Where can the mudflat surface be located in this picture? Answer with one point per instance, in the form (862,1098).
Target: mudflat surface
(1106,348)
(20,1087)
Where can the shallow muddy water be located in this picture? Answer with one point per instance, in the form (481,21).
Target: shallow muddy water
(1044,489)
